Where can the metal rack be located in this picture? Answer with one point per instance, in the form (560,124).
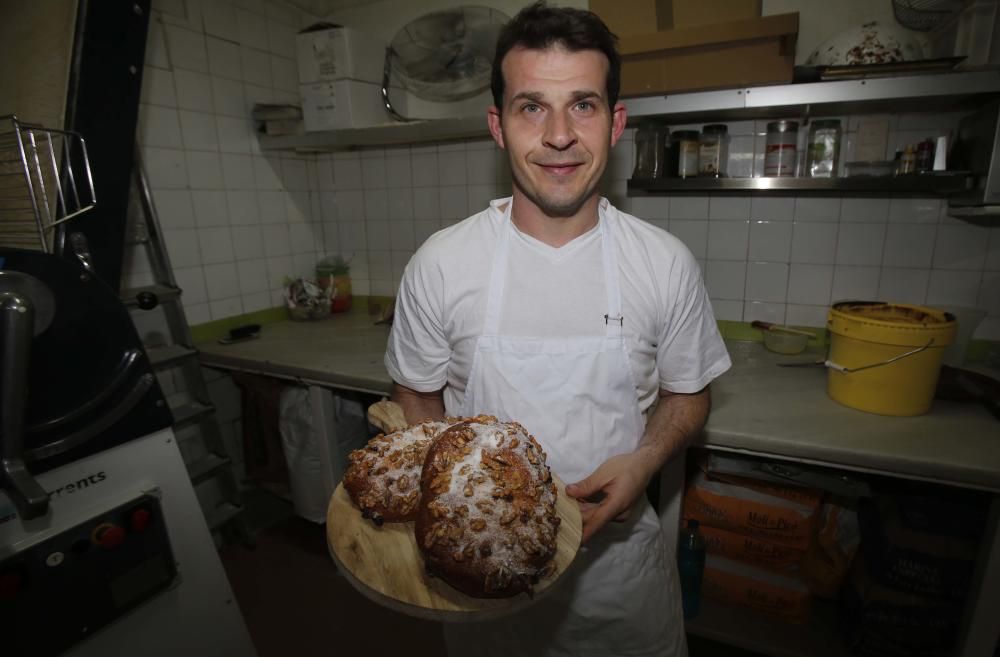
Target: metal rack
(45,180)
(921,185)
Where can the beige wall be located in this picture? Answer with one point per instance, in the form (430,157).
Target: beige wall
(35,45)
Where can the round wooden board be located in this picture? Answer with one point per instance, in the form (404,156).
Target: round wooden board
(385,565)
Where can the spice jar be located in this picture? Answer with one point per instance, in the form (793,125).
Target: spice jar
(781,150)
(650,151)
(925,155)
(823,150)
(908,162)
(684,147)
(713,150)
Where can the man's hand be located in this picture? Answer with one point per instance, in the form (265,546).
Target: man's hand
(611,491)
(615,486)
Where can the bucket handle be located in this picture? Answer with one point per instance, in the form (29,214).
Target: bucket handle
(848,370)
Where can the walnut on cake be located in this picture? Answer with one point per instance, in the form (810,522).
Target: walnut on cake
(486,519)
(383,477)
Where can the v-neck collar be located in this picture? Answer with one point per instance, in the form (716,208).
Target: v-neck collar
(554,253)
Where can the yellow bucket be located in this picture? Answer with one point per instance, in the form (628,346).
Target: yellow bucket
(885,358)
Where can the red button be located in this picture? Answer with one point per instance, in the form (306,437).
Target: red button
(139,520)
(9,585)
(108,536)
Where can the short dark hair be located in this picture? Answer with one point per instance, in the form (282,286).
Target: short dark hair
(537,27)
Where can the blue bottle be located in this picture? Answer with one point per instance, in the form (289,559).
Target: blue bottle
(690,566)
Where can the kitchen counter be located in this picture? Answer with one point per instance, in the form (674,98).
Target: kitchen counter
(343,351)
(758,407)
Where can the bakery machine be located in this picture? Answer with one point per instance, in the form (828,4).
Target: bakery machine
(104,549)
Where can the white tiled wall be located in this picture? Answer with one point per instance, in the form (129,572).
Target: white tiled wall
(238,220)
(785,259)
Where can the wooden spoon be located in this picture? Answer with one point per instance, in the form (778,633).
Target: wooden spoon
(768,326)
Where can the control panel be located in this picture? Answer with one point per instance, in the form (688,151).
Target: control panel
(65,587)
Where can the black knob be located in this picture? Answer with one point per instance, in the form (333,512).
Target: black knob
(147,300)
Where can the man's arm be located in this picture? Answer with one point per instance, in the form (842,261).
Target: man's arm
(419,406)
(622,479)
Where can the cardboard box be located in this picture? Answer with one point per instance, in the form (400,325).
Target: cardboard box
(689,13)
(345,104)
(329,52)
(627,16)
(721,56)
(624,17)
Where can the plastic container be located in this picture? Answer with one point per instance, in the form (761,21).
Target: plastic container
(885,358)
(691,567)
(925,155)
(334,272)
(308,313)
(651,144)
(713,151)
(785,343)
(823,150)
(781,150)
(908,161)
(684,151)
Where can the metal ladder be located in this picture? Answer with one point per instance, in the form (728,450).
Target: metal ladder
(224,510)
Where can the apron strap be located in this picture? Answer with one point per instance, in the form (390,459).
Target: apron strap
(614,320)
(498,277)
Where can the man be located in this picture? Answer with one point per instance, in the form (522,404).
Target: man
(553,309)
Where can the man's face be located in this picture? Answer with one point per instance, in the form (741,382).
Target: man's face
(556,125)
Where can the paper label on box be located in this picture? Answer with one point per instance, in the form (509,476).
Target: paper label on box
(325,46)
(319,107)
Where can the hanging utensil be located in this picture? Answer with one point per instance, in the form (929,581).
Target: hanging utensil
(768,326)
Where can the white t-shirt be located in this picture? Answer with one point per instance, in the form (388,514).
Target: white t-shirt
(671,335)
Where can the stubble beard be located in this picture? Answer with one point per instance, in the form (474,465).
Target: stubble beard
(556,207)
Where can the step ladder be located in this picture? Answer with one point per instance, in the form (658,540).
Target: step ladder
(210,467)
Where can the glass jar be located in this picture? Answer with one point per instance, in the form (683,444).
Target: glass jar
(713,151)
(781,151)
(684,153)
(823,149)
(650,151)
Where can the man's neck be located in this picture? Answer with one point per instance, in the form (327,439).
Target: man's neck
(554,231)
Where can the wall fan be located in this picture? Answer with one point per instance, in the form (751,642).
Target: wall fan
(444,56)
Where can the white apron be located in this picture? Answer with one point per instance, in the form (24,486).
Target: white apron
(578,397)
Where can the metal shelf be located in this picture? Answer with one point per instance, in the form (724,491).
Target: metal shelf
(386,135)
(923,185)
(750,630)
(936,93)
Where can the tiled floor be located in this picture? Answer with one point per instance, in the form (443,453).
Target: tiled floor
(295,603)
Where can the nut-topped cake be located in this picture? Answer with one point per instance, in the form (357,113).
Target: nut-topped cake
(486,521)
(383,477)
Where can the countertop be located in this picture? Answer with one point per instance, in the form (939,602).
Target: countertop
(757,407)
